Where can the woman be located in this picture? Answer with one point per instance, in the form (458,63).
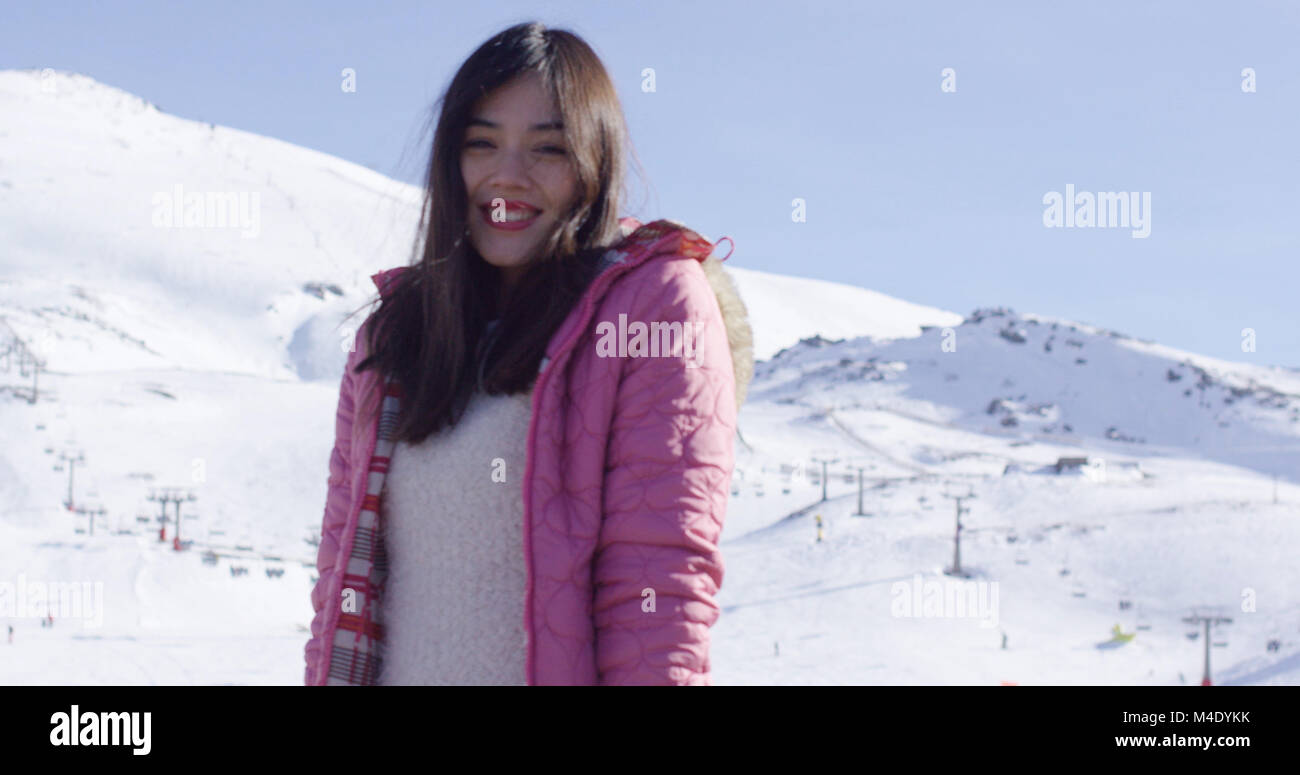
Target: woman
(525,488)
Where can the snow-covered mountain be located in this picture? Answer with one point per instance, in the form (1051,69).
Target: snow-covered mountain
(96,251)
(207,356)
(98,183)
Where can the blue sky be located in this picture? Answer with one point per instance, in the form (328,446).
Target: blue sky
(930,196)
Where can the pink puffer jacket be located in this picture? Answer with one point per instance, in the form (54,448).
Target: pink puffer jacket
(629,462)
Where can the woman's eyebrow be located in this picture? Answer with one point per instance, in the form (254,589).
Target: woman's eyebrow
(543,127)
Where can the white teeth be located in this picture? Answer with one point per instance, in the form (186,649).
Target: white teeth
(511,214)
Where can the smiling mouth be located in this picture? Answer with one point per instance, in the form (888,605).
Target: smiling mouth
(514,212)
(517,218)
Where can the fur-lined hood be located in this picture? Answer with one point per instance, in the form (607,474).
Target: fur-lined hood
(735,316)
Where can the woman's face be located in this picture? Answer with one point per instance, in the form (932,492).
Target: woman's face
(519,178)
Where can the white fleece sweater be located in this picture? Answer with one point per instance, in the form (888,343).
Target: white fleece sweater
(453,606)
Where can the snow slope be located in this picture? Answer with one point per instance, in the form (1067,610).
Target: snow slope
(198,357)
(785,309)
(1178,517)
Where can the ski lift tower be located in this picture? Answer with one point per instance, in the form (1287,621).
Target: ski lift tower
(956,570)
(161,496)
(179,498)
(25,357)
(825,457)
(860,463)
(1207,619)
(90,515)
(15,345)
(67,457)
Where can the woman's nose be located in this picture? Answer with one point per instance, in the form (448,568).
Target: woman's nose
(512,167)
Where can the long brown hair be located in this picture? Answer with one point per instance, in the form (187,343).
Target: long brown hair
(430,333)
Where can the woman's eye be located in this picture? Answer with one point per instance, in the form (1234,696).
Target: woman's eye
(550,149)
